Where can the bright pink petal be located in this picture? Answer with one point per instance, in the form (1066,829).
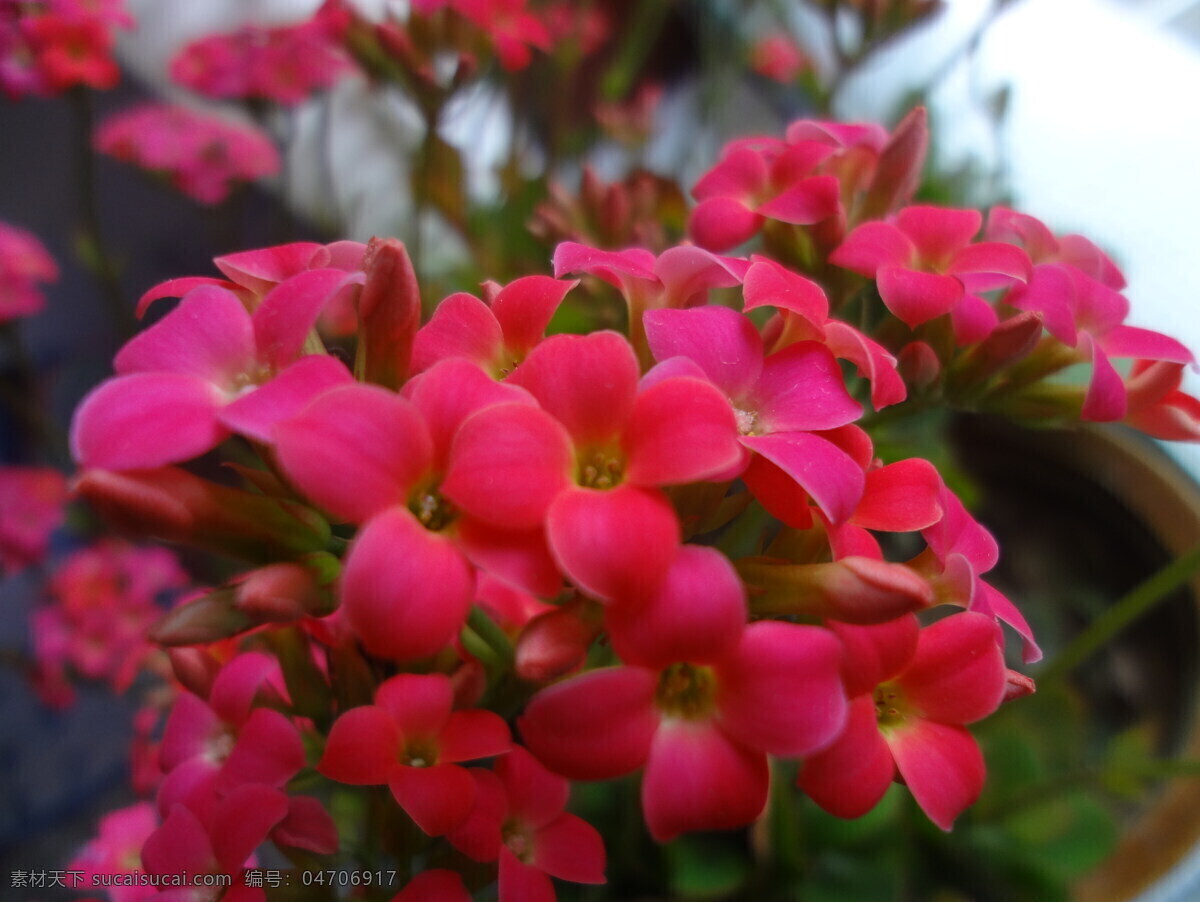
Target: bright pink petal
(1050,292)
(741,172)
(242,821)
(872,359)
(586,382)
(688,273)
(288,312)
(570,848)
(177,288)
(595,726)
(362,748)
(810,201)
(590,537)
(614,267)
(405,591)
(958,674)
(437,798)
(942,767)
(697,778)
(781,690)
(268,751)
(239,683)
(473,734)
(900,497)
(449,392)
(434,886)
(696,616)
(256,413)
(355,450)
(181,845)
(190,726)
(520,882)
(938,232)
(801,388)
(478,837)
(917,297)
(768,284)
(783,498)
(850,777)
(419,703)
(524,308)
(507,464)
(535,795)
(725,344)
(680,430)
(1130,341)
(307,826)
(828,474)
(872,246)
(146,420)
(521,558)
(721,223)
(209,335)
(874,654)
(1105,400)
(974,319)
(258,270)
(989,265)
(990,601)
(461,326)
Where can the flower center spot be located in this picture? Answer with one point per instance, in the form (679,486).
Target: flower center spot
(889,706)
(419,753)
(686,691)
(600,470)
(747,421)
(432,510)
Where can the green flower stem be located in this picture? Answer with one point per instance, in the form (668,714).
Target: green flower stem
(494,638)
(1137,602)
(92,248)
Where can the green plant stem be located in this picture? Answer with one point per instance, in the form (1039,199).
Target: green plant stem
(1133,605)
(96,255)
(495,638)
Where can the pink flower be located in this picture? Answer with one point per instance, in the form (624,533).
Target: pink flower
(925,266)
(24,264)
(101,601)
(702,700)
(404,468)
(200,155)
(411,741)
(206,369)
(511,26)
(621,442)
(285,65)
(777,57)
(520,820)
(1157,407)
(780,402)
(911,692)
(32,502)
(117,850)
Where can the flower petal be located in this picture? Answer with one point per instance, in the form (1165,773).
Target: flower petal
(900,497)
(437,798)
(461,326)
(942,767)
(405,591)
(725,344)
(916,297)
(595,726)
(680,430)
(801,389)
(590,536)
(256,413)
(286,315)
(697,778)
(850,777)
(362,747)
(827,473)
(570,848)
(957,675)
(419,703)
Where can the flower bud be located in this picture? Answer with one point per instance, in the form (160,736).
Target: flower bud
(173,505)
(1018,685)
(389,314)
(194,668)
(918,364)
(857,590)
(279,593)
(556,643)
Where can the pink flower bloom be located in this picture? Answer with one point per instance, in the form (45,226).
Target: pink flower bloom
(498,334)
(621,443)
(925,266)
(777,57)
(284,65)
(702,700)
(520,820)
(32,502)
(1157,407)
(404,468)
(117,850)
(24,263)
(206,369)
(512,28)
(101,601)
(911,692)
(779,401)
(411,741)
(201,155)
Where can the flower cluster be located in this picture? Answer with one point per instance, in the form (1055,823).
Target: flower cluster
(489,558)
(24,265)
(200,154)
(31,508)
(48,46)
